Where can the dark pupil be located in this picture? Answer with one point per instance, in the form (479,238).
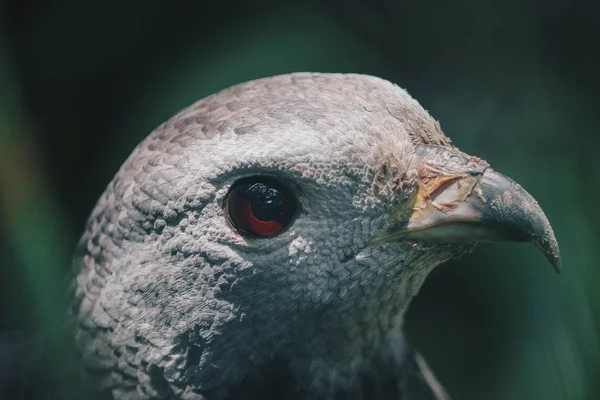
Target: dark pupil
(266,203)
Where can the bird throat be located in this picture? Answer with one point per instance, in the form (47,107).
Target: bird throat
(343,359)
(328,347)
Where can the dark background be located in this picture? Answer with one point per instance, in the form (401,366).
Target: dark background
(515,82)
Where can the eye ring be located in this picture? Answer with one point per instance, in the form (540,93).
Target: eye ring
(260,207)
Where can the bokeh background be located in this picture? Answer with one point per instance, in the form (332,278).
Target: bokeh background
(515,82)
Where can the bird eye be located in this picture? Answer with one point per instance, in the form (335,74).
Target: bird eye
(260,207)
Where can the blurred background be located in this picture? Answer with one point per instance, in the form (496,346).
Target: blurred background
(514,82)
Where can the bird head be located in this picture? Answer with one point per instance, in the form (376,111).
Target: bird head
(291,218)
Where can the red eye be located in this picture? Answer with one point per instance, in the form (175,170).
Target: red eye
(260,207)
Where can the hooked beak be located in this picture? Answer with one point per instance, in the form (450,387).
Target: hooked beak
(461,199)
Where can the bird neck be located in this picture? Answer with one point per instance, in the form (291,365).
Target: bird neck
(347,345)
(319,346)
(350,369)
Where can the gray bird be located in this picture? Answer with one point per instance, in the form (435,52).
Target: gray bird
(266,242)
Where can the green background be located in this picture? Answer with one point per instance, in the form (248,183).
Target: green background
(513,82)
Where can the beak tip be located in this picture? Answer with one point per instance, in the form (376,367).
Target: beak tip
(556,263)
(552,254)
(549,246)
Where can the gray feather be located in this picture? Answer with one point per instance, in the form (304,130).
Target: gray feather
(171,302)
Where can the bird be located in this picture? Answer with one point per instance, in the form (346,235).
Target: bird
(267,241)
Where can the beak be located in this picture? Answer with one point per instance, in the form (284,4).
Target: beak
(461,199)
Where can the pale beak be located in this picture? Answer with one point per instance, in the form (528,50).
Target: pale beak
(461,199)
